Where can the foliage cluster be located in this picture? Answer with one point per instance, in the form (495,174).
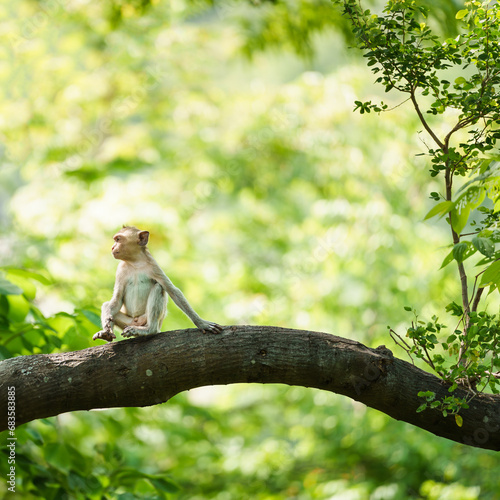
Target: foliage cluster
(460,78)
(26,330)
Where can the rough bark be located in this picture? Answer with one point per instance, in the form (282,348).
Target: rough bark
(150,370)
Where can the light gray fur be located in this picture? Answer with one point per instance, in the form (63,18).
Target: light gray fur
(156,310)
(140,294)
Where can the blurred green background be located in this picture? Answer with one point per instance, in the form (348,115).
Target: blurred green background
(225,129)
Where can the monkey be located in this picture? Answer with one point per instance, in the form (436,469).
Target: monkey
(140,295)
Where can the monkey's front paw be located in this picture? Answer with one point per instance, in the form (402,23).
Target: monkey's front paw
(107,335)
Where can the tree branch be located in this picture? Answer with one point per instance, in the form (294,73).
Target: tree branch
(150,370)
(423,121)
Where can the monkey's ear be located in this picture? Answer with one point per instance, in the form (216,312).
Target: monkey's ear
(143,238)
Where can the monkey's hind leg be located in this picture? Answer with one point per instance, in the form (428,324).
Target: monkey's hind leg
(156,309)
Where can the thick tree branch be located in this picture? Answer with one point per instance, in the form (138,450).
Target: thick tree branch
(150,370)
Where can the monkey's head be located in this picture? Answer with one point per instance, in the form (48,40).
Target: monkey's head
(130,243)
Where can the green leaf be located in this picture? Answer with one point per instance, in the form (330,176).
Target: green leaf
(8,288)
(57,456)
(440,209)
(484,245)
(4,353)
(429,395)
(459,217)
(19,307)
(447,260)
(28,274)
(455,309)
(461,14)
(461,251)
(489,169)
(471,199)
(474,196)
(491,275)
(459,420)
(165,485)
(91,316)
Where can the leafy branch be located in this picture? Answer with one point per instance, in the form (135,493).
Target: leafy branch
(408,57)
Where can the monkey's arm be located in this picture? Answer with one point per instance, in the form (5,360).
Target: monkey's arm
(110,309)
(182,303)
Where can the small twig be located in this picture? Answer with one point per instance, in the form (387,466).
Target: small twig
(477,298)
(397,105)
(399,341)
(429,360)
(392,332)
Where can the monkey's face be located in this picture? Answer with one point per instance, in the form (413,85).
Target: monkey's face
(130,244)
(123,247)
(118,244)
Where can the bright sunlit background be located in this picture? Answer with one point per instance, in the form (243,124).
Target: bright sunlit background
(268,202)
